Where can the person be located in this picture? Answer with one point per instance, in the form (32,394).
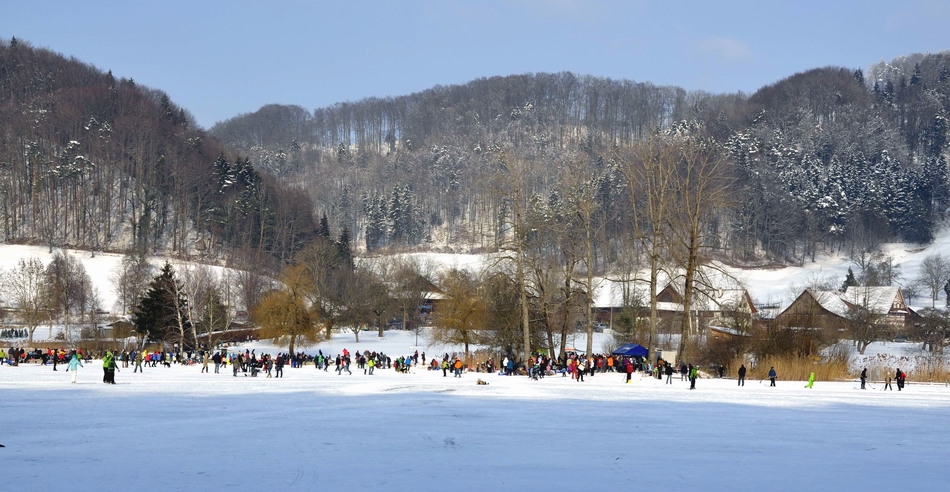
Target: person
(445,367)
(864,377)
(684,371)
(279,365)
(628,368)
(73,366)
(458,367)
(741,375)
(772,376)
(887,383)
(107,367)
(811,380)
(216,358)
(722,371)
(580,369)
(693,375)
(138,361)
(204,362)
(372,365)
(899,379)
(669,373)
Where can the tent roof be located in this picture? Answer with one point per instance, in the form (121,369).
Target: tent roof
(631,349)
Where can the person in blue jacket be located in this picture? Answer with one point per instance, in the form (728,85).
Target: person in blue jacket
(73,366)
(772,376)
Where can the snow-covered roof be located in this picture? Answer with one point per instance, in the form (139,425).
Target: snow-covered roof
(878,300)
(728,331)
(726,299)
(831,301)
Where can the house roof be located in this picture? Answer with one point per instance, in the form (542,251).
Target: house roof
(830,300)
(878,300)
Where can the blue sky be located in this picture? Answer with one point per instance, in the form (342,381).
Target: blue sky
(222,58)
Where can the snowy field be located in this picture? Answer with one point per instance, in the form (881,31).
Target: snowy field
(179,429)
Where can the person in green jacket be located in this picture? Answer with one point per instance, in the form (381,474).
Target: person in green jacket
(108,368)
(811,381)
(693,374)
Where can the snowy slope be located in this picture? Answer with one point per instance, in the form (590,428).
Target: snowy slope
(766,286)
(99,267)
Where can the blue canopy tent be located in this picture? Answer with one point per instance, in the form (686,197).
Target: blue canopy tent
(631,350)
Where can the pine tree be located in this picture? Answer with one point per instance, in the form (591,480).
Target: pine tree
(162,309)
(324,230)
(345,252)
(849,280)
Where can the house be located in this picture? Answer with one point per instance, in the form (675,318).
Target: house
(717,307)
(832,309)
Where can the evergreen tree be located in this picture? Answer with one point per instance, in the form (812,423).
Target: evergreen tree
(345,252)
(849,280)
(162,309)
(324,230)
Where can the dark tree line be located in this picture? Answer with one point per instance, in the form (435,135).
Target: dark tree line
(825,159)
(99,163)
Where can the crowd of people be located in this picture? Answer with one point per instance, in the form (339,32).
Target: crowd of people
(249,363)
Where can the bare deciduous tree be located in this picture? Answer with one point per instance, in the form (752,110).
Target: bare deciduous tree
(933,275)
(25,285)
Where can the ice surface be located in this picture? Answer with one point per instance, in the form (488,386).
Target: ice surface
(178,429)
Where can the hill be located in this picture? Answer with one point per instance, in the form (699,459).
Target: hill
(93,162)
(824,159)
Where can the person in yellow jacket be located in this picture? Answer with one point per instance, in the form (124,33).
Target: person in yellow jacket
(108,368)
(811,381)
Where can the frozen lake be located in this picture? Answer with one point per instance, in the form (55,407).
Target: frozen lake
(178,429)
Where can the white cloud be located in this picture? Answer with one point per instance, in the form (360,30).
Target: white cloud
(725,49)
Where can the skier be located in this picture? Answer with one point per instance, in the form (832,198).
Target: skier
(811,380)
(772,376)
(74,365)
(741,375)
(864,377)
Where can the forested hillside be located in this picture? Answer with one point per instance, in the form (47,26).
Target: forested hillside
(828,158)
(94,162)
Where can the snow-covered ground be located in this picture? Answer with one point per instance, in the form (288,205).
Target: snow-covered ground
(766,286)
(99,267)
(178,429)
